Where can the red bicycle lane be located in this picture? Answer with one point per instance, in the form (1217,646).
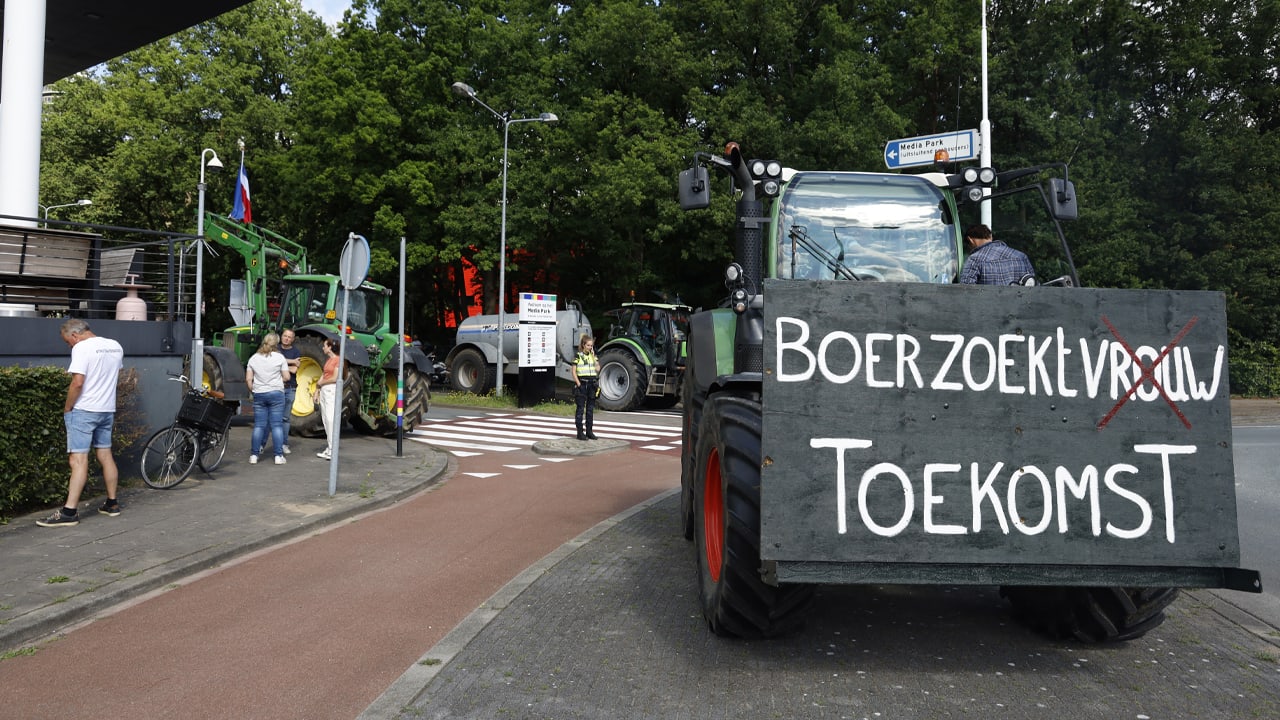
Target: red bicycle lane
(320,627)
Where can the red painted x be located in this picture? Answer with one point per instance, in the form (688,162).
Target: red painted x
(1148,373)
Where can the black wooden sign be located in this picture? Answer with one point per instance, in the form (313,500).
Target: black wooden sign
(983,424)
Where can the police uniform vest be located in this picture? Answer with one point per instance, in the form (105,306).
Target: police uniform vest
(586,364)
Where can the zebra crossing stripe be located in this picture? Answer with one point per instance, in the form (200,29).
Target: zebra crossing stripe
(638,427)
(467,435)
(558,428)
(462,445)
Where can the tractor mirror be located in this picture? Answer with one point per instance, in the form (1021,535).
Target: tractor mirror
(1062,199)
(695,192)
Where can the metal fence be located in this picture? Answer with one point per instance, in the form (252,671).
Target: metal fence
(57,268)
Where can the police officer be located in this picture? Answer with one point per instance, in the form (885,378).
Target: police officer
(586,372)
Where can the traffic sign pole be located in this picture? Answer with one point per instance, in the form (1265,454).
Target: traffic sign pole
(353,268)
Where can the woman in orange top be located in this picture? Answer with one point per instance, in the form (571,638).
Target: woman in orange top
(326,393)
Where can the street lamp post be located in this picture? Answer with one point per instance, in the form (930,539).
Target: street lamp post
(467,91)
(79,203)
(197,340)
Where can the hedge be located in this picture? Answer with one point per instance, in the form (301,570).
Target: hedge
(33,438)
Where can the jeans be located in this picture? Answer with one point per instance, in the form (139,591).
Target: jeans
(268,410)
(289,393)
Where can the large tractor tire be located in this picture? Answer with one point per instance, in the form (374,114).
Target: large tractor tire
(736,602)
(417,399)
(623,381)
(1092,615)
(211,375)
(304,416)
(417,396)
(469,373)
(352,388)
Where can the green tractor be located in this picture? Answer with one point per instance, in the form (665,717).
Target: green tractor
(279,292)
(642,362)
(844,422)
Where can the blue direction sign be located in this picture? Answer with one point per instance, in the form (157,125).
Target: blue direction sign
(930,149)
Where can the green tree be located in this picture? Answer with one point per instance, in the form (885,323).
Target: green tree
(129,134)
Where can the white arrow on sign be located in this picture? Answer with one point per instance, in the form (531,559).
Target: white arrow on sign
(929,149)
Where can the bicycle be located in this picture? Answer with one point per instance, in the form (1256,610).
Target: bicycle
(198,435)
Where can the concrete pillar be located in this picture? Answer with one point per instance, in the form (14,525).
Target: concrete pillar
(21,85)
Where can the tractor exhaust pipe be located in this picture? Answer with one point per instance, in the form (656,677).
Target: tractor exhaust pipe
(748,351)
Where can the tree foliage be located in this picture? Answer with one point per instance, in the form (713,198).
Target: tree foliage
(1165,111)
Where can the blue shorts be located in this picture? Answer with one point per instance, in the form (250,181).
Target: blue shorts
(87,430)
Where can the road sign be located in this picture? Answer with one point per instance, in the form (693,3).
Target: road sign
(354,264)
(930,149)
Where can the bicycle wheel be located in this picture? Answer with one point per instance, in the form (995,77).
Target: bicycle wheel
(213,445)
(168,457)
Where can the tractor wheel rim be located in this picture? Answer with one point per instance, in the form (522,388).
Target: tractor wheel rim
(713,516)
(614,381)
(392,404)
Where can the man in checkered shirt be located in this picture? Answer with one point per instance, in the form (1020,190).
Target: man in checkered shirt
(991,262)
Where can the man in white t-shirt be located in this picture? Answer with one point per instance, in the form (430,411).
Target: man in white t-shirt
(89,413)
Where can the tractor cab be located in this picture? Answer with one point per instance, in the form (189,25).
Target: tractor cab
(642,360)
(659,328)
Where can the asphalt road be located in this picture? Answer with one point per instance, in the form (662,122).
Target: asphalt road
(615,631)
(1257,456)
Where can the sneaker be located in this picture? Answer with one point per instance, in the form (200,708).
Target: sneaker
(280,460)
(253,459)
(58,519)
(110,507)
(286,449)
(324,455)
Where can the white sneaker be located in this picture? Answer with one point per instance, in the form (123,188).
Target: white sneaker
(253,459)
(280,460)
(286,449)
(324,455)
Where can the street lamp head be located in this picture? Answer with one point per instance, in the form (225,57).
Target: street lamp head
(464,90)
(548,118)
(214,163)
(84,201)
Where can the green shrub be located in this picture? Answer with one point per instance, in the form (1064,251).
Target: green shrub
(1255,368)
(33,438)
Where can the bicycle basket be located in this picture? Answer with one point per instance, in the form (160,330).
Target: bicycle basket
(205,413)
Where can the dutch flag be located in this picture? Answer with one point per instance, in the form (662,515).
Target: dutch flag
(242,211)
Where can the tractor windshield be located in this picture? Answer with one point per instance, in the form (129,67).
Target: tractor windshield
(304,303)
(307,302)
(860,226)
